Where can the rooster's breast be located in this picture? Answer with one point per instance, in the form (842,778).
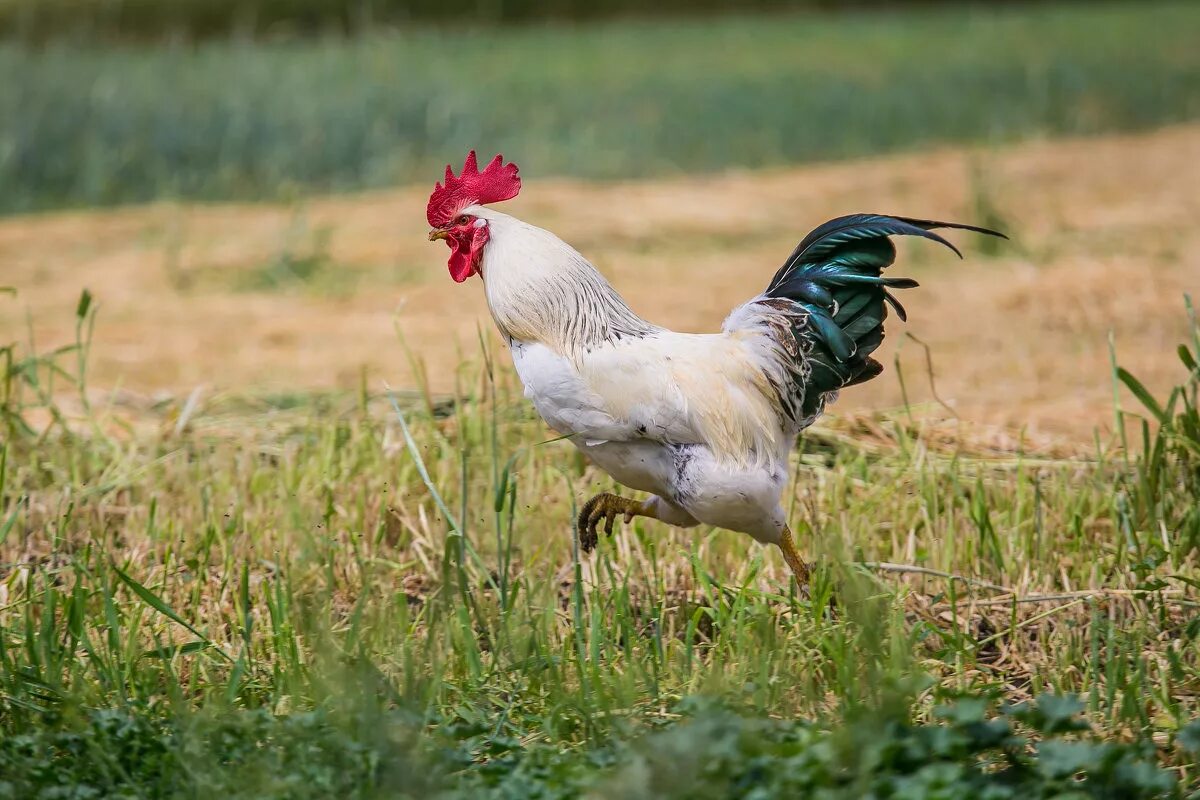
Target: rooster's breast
(561,398)
(567,404)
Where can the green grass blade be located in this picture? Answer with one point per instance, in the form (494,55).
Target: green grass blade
(1187,358)
(1142,394)
(9,523)
(156,602)
(170,651)
(415,451)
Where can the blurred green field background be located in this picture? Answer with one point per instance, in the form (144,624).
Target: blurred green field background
(197,19)
(99,123)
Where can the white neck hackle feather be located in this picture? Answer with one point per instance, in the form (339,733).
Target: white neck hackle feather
(540,289)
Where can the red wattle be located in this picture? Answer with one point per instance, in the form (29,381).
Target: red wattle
(466,251)
(460,263)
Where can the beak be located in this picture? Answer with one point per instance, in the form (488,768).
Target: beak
(437,233)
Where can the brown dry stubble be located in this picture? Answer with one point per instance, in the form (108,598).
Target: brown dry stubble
(1104,230)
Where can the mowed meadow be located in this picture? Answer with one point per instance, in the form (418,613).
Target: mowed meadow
(277,521)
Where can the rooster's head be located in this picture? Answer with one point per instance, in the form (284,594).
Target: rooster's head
(465,233)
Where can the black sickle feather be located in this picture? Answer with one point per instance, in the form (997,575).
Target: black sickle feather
(834,279)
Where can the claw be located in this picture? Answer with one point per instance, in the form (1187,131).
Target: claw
(587,531)
(610,516)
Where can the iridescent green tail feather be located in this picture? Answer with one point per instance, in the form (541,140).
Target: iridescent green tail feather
(835,275)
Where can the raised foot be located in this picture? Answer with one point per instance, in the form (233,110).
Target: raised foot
(606,507)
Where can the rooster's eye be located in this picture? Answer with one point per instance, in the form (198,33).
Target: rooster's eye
(462,220)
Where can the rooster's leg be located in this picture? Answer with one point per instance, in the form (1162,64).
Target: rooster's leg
(799,568)
(606,507)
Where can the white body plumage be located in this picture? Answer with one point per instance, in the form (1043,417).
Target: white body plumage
(695,419)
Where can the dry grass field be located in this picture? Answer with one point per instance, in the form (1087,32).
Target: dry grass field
(258,297)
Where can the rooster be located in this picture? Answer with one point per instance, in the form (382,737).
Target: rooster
(705,423)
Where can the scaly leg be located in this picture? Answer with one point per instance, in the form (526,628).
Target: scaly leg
(799,568)
(606,507)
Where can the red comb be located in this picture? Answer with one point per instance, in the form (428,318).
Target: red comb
(497,182)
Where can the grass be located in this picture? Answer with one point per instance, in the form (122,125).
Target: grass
(381,596)
(95,125)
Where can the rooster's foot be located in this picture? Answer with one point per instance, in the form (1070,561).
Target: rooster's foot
(799,567)
(604,507)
